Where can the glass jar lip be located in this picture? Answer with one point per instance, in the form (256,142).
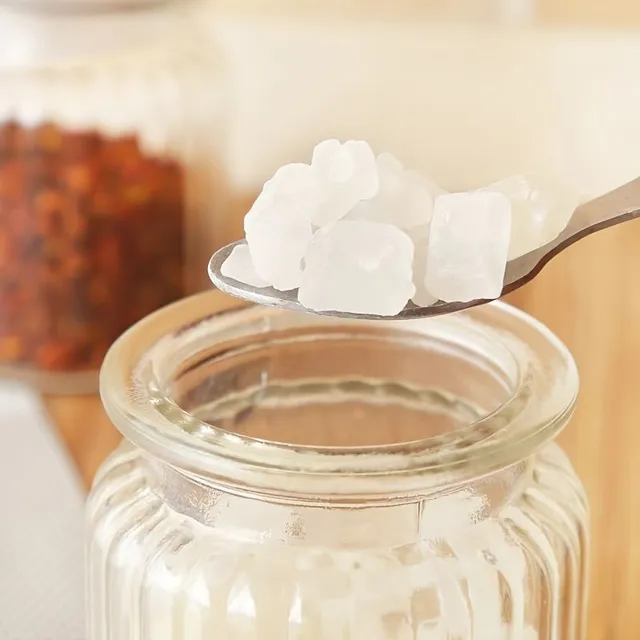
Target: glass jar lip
(135,399)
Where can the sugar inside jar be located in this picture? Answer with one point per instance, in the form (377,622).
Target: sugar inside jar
(104,142)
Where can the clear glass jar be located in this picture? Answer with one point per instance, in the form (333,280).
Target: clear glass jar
(110,134)
(363,480)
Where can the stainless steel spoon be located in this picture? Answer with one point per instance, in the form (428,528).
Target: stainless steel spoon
(617,206)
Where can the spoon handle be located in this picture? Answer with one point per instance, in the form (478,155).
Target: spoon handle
(620,205)
(617,206)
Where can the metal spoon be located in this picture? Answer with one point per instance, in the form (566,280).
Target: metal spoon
(617,206)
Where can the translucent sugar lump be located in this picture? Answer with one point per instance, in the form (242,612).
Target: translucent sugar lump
(420,238)
(540,207)
(348,175)
(404,198)
(239,266)
(359,267)
(278,226)
(468,245)
(354,232)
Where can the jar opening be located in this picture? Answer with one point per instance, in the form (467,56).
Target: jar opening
(342,386)
(248,392)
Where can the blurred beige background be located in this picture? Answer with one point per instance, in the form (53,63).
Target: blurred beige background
(586,12)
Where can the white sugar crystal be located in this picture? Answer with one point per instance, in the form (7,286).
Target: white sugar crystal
(295,179)
(347,174)
(420,238)
(419,199)
(278,226)
(468,244)
(404,198)
(390,171)
(278,240)
(366,176)
(332,161)
(358,267)
(240,267)
(541,209)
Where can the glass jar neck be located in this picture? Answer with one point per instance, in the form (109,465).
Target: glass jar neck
(308,410)
(253,517)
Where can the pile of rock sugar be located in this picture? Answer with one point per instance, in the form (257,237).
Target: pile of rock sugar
(359,233)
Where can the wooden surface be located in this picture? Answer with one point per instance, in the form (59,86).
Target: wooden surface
(585,297)
(595,13)
(589,296)
(85,430)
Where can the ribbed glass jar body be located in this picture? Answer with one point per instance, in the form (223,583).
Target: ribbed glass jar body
(296,477)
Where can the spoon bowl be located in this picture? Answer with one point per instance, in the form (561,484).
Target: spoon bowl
(615,207)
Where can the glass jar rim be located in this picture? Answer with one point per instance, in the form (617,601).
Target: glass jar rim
(136,399)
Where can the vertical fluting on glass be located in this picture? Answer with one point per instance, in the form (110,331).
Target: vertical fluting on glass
(514,573)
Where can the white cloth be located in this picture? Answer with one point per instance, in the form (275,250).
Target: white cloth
(41,525)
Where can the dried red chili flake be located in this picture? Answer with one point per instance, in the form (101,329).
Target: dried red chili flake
(91,241)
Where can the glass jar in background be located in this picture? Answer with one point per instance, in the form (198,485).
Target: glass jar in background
(110,134)
(291,476)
